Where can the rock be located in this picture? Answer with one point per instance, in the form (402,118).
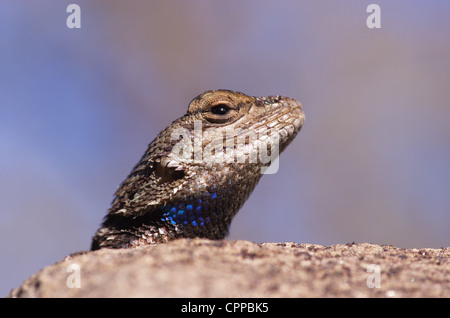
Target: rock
(205,268)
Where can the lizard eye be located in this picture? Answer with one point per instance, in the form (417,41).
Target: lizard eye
(220,109)
(220,112)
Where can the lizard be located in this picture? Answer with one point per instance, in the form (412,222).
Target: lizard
(198,172)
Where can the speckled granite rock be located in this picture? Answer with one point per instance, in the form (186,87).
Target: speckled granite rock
(204,268)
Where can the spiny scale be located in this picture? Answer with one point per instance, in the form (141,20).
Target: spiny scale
(192,179)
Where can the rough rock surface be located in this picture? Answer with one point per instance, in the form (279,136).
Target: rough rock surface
(204,268)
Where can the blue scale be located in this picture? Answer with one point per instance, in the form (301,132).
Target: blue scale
(183,214)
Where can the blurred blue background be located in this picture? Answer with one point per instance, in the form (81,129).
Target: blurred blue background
(79,106)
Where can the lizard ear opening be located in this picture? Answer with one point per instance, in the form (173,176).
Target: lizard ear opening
(166,174)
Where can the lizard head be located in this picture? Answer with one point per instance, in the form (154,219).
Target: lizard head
(225,107)
(229,114)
